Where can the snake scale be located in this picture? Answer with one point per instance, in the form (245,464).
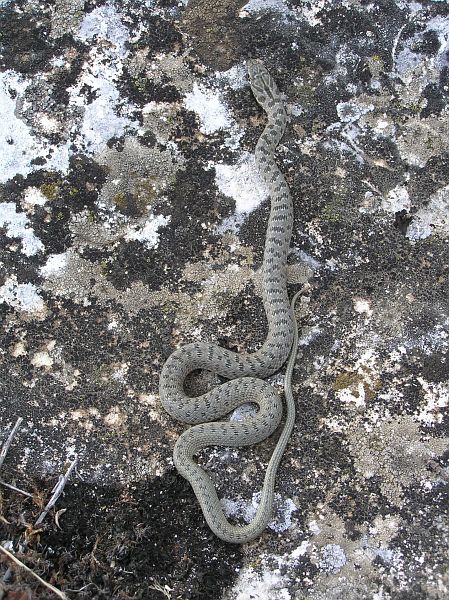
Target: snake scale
(245,372)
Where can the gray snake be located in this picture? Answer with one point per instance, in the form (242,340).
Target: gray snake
(245,372)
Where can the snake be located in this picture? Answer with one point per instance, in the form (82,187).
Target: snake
(245,372)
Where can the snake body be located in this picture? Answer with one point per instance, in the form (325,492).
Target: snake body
(245,372)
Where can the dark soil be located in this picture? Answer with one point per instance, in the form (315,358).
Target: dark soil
(117,543)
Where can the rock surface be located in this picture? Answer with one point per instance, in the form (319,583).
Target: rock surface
(132,220)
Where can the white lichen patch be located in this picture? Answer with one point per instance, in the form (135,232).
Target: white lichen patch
(104,23)
(85,418)
(435,403)
(33,197)
(120,372)
(419,69)
(332,558)
(253,7)
(421,139)
(148,233)
(265,585)
(246,510)
(270,579)
(311,12)
(236,77)
(395,451)
(151,405)
(115,418)
(55,264)
(17,225)
(22,296)
(396,200)
(362,306)
(432,218)
(353,394)
(67,375)
(212,112)
(353,110)
(241,182)
(18,145)
(18,349)
(102,118)
(346,566)
(42,359)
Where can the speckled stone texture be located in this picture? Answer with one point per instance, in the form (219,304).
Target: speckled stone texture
(132,220)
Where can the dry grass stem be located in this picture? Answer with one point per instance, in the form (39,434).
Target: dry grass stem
(15,489)
(28,570)
(57,491)
(9,439)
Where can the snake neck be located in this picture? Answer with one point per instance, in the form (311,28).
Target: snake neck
(274,130)
(279,231)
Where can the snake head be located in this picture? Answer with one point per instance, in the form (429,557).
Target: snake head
(258,75)
(262,84)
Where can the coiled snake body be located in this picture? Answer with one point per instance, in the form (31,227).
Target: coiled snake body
(245,371)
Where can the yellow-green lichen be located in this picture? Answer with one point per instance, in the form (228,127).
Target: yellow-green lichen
(50,190)
(348,380)
(120,201)
(331,213)
(73,191)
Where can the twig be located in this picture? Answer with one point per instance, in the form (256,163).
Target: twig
(15,489)
(7,444)
(395,45)
(28,570)
(57,491)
